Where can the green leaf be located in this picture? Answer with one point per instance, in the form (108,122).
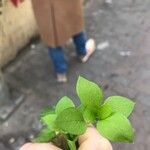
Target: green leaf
(64,103)
(89,93)
(46,135)
(49,120)
(116,128)
(47,111)
(72,145)
(71,120)
(104,111)
(89,116)
(81,108)
(121,104)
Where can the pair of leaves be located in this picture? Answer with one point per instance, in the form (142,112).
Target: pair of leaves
(66,118)
(116,104)
(116,128)
(90,94)
(91,97)
(71,121)
(120,104)
(69,118)
(48,118)
(113,123)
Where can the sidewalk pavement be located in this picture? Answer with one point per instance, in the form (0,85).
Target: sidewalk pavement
(120,65)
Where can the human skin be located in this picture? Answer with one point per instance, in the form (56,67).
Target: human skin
(90,140)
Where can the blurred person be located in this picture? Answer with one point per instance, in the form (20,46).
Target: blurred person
(58,21)
(90,140)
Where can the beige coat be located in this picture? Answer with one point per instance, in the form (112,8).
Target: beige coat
(58,20)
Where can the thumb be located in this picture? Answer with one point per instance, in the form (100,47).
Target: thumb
(46,146)
(91,139)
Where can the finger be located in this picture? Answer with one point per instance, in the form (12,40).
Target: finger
(93,140)
(30,146)
(91,132)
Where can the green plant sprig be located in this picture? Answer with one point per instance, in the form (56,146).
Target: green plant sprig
(109,116)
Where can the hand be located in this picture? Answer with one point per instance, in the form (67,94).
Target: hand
(90,140)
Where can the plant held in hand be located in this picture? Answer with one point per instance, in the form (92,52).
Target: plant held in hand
(69,121)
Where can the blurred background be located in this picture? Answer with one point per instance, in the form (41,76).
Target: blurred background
(121,65)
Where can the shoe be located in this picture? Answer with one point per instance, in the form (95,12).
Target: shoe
(90,48)
(62,78)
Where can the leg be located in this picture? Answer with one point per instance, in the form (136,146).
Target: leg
(84,48)
(80,43)
(60,66)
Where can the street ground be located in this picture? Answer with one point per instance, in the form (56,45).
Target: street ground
(121,65)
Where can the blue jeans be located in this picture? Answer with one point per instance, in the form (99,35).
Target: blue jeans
(57,55)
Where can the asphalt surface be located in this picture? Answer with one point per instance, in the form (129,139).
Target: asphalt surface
(121,65)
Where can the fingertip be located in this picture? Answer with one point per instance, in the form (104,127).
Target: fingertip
(106,145)
(90,132)
(26,146)
(91,138)
(39,146)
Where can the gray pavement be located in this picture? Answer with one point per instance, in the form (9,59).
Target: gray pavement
(121,65)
